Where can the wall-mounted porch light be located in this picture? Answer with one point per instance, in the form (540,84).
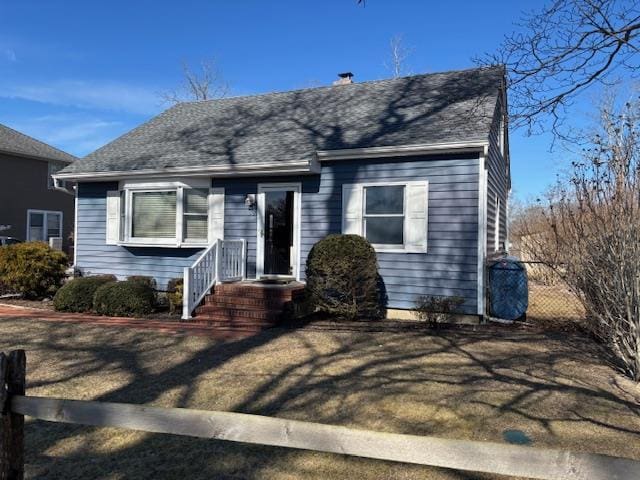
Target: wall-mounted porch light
(250,200)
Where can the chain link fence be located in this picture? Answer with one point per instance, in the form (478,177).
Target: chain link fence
(550,299)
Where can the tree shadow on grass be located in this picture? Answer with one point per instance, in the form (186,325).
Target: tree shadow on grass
(460,384)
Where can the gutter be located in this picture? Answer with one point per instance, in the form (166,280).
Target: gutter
(300,167)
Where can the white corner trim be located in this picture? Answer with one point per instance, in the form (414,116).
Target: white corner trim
(403,150)
(271,168)
(482,232)
(75,228)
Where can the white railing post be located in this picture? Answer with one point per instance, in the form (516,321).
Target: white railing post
(186,294)
(243,259)
(219,254)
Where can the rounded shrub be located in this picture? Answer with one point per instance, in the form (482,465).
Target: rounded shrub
(77,294)
(124,299)
(32,269)
(342,278)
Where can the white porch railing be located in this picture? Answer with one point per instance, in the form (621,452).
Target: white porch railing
(222,261)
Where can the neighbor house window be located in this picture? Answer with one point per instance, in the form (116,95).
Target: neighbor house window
(384,215)
(43,225)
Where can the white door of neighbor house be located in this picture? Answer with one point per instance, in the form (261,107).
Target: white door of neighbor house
(278,230)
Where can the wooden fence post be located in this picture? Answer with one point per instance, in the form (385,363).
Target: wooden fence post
(13,372)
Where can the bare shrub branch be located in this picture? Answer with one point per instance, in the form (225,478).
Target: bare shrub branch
(589,231)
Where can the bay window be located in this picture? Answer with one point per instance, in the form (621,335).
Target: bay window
(170,214)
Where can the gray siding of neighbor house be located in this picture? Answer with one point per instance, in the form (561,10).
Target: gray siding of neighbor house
(497,186)
(448,268)
(24,187)
(450,265)
(94,257)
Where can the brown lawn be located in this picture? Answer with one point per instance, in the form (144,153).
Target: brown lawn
(451,383)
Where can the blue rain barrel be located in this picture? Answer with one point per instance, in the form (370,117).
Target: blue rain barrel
(508,289)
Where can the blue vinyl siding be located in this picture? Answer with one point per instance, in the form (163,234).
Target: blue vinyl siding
(448,268)
(94,257)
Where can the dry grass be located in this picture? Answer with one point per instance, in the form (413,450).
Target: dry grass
(456,384)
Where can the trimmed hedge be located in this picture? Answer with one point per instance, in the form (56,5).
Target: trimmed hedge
(343,280)
(124,299)
(77,294)
(32,269)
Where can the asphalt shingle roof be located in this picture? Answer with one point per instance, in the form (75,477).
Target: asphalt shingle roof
(421,109)
(12,141)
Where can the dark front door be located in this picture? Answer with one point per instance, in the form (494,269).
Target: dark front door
(278,232)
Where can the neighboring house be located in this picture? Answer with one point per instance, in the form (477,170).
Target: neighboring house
(31,208)
(418,165)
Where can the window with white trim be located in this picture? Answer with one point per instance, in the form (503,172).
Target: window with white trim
(391,216)
(383,216)
(164,213)
(43,225)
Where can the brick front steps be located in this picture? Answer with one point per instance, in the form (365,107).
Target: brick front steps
(248,306)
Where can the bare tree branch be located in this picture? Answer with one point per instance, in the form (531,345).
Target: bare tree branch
(204,84)
(561,51)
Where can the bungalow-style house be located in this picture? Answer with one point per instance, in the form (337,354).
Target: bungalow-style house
(31,208)
(241,188)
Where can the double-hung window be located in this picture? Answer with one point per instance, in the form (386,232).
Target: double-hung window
(171,214)
(195,215)
(391,216)
(43,225)
(384,215)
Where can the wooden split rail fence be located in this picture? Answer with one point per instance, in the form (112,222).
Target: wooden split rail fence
(487,457)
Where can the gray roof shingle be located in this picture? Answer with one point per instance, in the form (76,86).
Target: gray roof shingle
(12,141)
(421,109)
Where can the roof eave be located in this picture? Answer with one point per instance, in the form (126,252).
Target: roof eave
(301,167)
(34,157)
(404,150)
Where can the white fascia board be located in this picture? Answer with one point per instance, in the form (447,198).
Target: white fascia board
(302,167)
(403,150)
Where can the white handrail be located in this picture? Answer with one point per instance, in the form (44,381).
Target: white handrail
(223,260)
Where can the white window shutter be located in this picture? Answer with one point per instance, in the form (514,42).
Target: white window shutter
(352,209)
(216,214)
(113,217)
(416,212)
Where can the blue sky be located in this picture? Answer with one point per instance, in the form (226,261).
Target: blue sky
(78,74)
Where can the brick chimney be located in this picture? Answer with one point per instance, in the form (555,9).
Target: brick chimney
(345,79)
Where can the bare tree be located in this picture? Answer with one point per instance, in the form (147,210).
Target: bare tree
(398,55)
(591,232)
(206,83)
(562,50)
